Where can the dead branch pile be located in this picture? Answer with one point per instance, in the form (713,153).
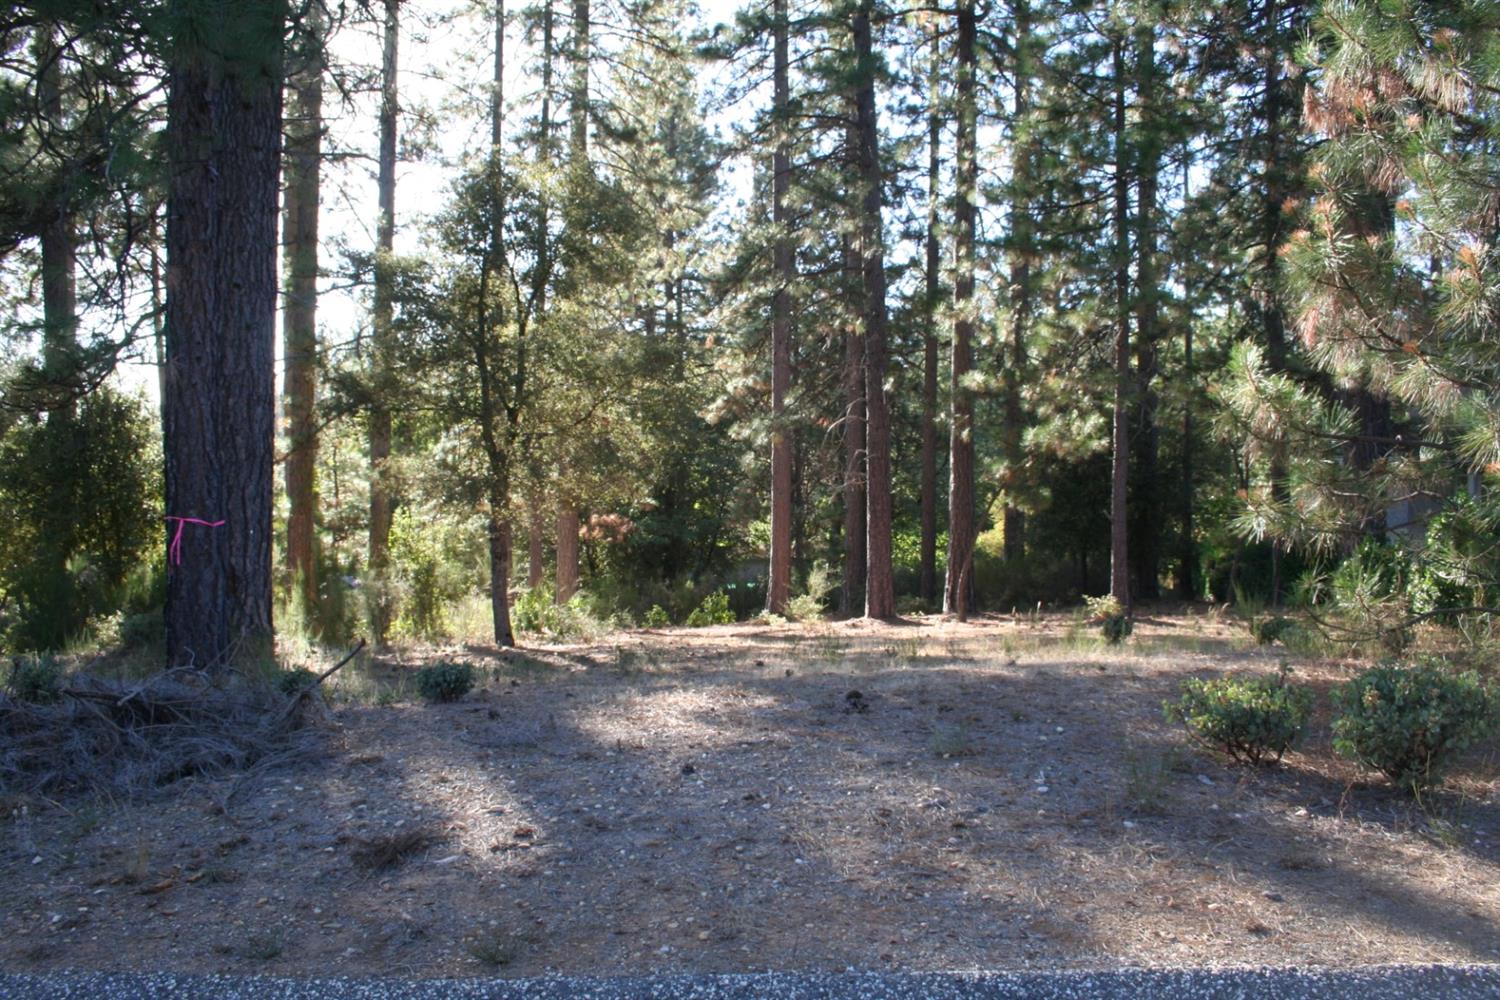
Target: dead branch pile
(127,738)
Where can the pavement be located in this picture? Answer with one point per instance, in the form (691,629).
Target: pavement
(1392,982)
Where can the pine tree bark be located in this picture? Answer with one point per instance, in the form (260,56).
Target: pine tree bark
(927,553)
(880,589)
(382,505)
(852,592)
(304,140)
(567,553)
(1147,523)
(961,528)
(59,263)
(779,579)
(578,111)
(223,145)
(1119,531)
(1023,243)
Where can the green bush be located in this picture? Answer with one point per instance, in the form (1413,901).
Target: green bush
(713,611)
(293,681)
(1409,722)
(1269,630)
(445,681)
(1115,628)
(35,679)
(657,617)
(1245,717)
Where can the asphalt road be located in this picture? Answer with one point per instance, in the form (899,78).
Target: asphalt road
(1424,982)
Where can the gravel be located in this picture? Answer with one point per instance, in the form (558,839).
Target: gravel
(1431,982)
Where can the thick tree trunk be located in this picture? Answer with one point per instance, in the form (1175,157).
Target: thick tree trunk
(778,584)
(1147,506)
(304,140)
(219,409)
(927,552)
(59,285)
(853,591)
(1021,292)
(1119,532)
(880,590)
(961,528)
(381,502)
(500,557)
(567,553)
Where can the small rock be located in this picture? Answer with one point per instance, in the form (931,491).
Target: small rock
(1204,779)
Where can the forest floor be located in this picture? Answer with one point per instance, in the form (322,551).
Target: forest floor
(918,796)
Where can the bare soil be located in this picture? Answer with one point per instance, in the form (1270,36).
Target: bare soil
(917,796)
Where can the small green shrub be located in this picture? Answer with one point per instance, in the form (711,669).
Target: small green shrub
(1245,717)
(1104,607)
(141,631)
(1269,630)
(657,617)
(1409,722)
(1115,628)
(37,679)
(445,681)
(293,681)
(713,611)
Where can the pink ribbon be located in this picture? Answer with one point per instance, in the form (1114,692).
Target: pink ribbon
(174,551)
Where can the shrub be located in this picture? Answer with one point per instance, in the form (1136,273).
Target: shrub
(1245,717)
(657,617)
(445,681)
(1408,722)
(1104,607)
(713,611)
(1115,628)
(1269,630)
(141,631)
(36,679)
(293,681)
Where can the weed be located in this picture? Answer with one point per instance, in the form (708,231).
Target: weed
(950,740)
(391,849)
(262,945)
(445,681)
(1147,774)
(495,946)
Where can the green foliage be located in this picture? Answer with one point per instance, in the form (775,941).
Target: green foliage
(1103,608)
(430,560)
(293,681)
(1115,628)
(714,610)
(582,617)
(657,617)
(78,490)
(1408,722)
(810,605)
(446,681)
(37,679)
(1245,717)
(1269,630)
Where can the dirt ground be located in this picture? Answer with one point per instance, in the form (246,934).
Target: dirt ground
(919,796)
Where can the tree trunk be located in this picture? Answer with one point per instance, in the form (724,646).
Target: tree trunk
(927,554)
(59,285)
(852,594)
(567,553)
(1119,532)
(500,549)
(304,140)
(219,410)
(961,529)
(880,590)
(1146,530)
(1023,241)
(381,503)
(778,584)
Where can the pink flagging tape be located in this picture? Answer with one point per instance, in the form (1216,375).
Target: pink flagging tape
(174,551)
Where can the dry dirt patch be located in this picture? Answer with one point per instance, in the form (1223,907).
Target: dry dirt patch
(918,796)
